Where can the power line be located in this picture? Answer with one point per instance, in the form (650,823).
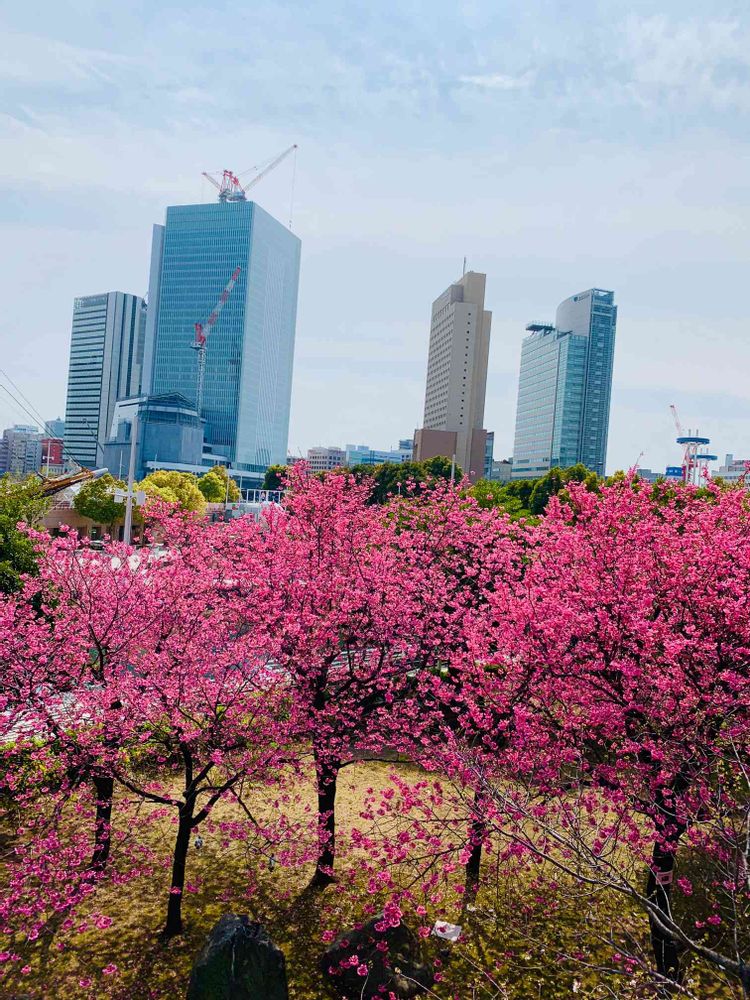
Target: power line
(35,415)
(38,416)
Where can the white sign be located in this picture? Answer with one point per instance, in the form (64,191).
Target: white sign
(449,932)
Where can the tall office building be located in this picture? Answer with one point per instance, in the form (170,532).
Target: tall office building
(564,387)
(250,349)
(457,377)
(106,358)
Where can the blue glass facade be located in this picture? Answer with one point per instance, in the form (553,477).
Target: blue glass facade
(250,350)
(565,387)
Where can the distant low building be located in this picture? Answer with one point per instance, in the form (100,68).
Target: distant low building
(673,472)
(489,454)
(734,469)
(502,472)
(52,457)
(363,454)
(20,451)
(325,459)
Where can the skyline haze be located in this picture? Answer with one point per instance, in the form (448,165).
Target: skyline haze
(556,148)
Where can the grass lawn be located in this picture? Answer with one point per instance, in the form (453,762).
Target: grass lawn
(517,935)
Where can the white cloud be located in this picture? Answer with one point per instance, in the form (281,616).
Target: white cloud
(35,60)
(695,61)
(499,81)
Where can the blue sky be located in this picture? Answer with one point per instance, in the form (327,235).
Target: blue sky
(557,145)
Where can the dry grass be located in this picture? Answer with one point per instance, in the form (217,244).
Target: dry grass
(515,933)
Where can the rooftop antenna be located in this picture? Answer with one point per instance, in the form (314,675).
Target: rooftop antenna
(464,271)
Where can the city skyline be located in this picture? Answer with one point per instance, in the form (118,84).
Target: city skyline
(529,145)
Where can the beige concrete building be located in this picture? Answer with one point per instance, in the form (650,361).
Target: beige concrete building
(325,459)
(457,377)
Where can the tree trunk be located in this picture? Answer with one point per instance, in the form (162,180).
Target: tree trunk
(104,787)
(477,833)
(327,771)
(173,925)
(659,891)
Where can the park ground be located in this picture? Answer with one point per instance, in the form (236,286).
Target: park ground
(526,934)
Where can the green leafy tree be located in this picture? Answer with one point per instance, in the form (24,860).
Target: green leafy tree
(212,488)
(556,480)
(489,493)
(440,468)
(19,502)
(96,500)
(390,479)
(521,490)
(229,489)
(274,478)
(175,487)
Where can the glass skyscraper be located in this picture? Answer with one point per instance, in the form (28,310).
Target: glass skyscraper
(106,358)
(250,350)
(564,387)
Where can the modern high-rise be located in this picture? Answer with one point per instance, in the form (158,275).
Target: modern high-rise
(564,387)
(106,358)
(457,377)
(250,349)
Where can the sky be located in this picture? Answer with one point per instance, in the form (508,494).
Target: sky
(559,146)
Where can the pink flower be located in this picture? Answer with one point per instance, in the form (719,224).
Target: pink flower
(362,970)
(110,970)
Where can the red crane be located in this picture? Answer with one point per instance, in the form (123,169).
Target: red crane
(202,331)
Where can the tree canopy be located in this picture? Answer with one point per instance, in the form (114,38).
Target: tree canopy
(95,499)
(569,692)
(174,487)
(217,485)
(275,477)
(20,502)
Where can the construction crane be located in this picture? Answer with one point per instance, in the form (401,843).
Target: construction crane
(695,457)
(202,331)
(230,187)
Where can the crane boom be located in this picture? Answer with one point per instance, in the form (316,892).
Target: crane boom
(229,186)
(271,166)
(678,425)
(202,331)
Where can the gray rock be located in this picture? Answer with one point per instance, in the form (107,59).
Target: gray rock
(238,962)
(397,970)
